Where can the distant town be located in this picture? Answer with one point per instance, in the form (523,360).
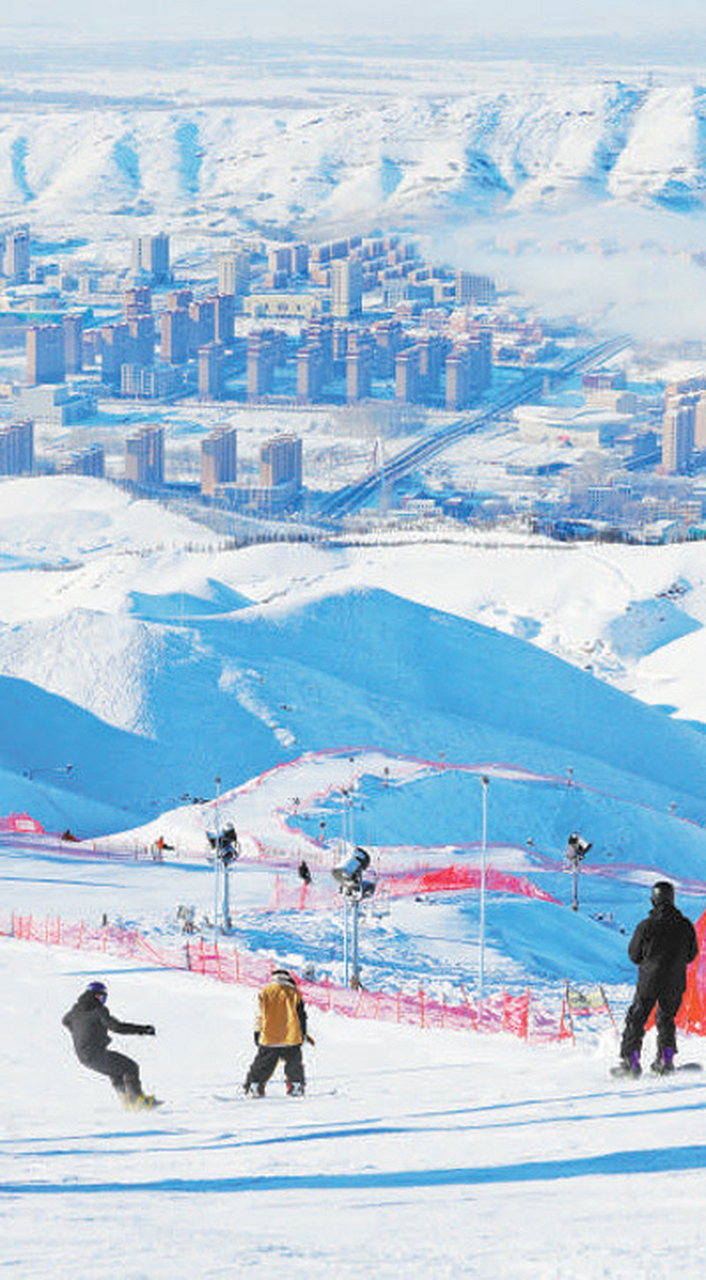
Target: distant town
(464,405)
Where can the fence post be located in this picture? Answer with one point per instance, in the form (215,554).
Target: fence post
(421,1007)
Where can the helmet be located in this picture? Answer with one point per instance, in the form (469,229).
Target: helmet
(662,892)
(284,977)
(99,990)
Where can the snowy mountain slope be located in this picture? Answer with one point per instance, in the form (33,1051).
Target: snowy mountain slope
(379,159)
(235,693)
(139,619)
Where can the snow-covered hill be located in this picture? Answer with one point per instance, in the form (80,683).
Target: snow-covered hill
(128,633)
(288,147)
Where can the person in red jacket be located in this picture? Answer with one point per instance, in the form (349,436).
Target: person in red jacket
(279,1034)
(89,1021)
(663,945)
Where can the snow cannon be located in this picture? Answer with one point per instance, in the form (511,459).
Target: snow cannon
(349,875)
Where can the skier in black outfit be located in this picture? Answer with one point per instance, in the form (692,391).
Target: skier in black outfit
(89,1022)
(662,945)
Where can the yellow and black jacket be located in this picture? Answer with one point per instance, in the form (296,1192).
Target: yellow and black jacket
(281,1014)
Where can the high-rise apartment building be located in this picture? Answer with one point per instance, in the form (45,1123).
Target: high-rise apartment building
(86,462)
(471,288)
(261,357)
(45,354)
(174,335)
(150,255)
(137,302)
(407,376)
(219,460)
(234,273)
(210,369)
(141,339)
(115,352)
(144,457)
(310,372)
(202,323)
(15,263)
(678,434)
(224,318)
(346,288)
(17,449)
(700,422)
(73,342)
(281,462)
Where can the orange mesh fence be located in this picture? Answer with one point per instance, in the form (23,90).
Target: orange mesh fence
(457,876)
(450,879)
(518,1015)
(692,1014)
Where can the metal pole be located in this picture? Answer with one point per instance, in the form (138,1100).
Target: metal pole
(354,975)
(225,923)
(345,939)
(483,851)
(217,863)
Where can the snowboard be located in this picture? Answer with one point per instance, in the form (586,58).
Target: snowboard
(655,1075)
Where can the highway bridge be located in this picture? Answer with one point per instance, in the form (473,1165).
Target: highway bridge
(529,387)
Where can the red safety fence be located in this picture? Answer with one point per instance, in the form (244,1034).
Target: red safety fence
(692,1014)
(520,1015)
(454,878)
(457,877)
(21,823)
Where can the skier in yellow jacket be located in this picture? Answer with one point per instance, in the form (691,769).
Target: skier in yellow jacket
(280,1033)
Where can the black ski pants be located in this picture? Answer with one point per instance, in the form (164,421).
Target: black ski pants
(266,1059)
(124,1074)
(668,999)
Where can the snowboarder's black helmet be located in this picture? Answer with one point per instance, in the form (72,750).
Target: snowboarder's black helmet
(98,989)
(662,892)
(284,977)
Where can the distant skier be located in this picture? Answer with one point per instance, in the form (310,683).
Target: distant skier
(89,1022)
(663,945)
(303,872)
(279,1033)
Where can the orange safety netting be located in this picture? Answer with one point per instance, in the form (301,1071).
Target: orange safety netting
(518,1015)
(458,876)
(692,1014)
(21,822)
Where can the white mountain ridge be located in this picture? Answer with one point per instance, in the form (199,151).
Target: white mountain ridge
(397,161)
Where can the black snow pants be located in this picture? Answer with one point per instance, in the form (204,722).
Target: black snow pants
(124,1074)
(668,998)
(266,1059)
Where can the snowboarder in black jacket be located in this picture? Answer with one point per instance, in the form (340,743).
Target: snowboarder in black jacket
(662,945)
(89,1022)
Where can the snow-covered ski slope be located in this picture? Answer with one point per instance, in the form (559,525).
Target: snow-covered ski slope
(414,1153)
(151,661)
(136,649)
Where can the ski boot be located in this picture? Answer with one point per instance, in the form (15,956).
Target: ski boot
(629,1065)
(253,1090)
(141,1102)
(295,1089)
(663,1064)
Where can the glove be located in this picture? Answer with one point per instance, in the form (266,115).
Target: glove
(148,1031)
(310,1039)
(256,1037)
